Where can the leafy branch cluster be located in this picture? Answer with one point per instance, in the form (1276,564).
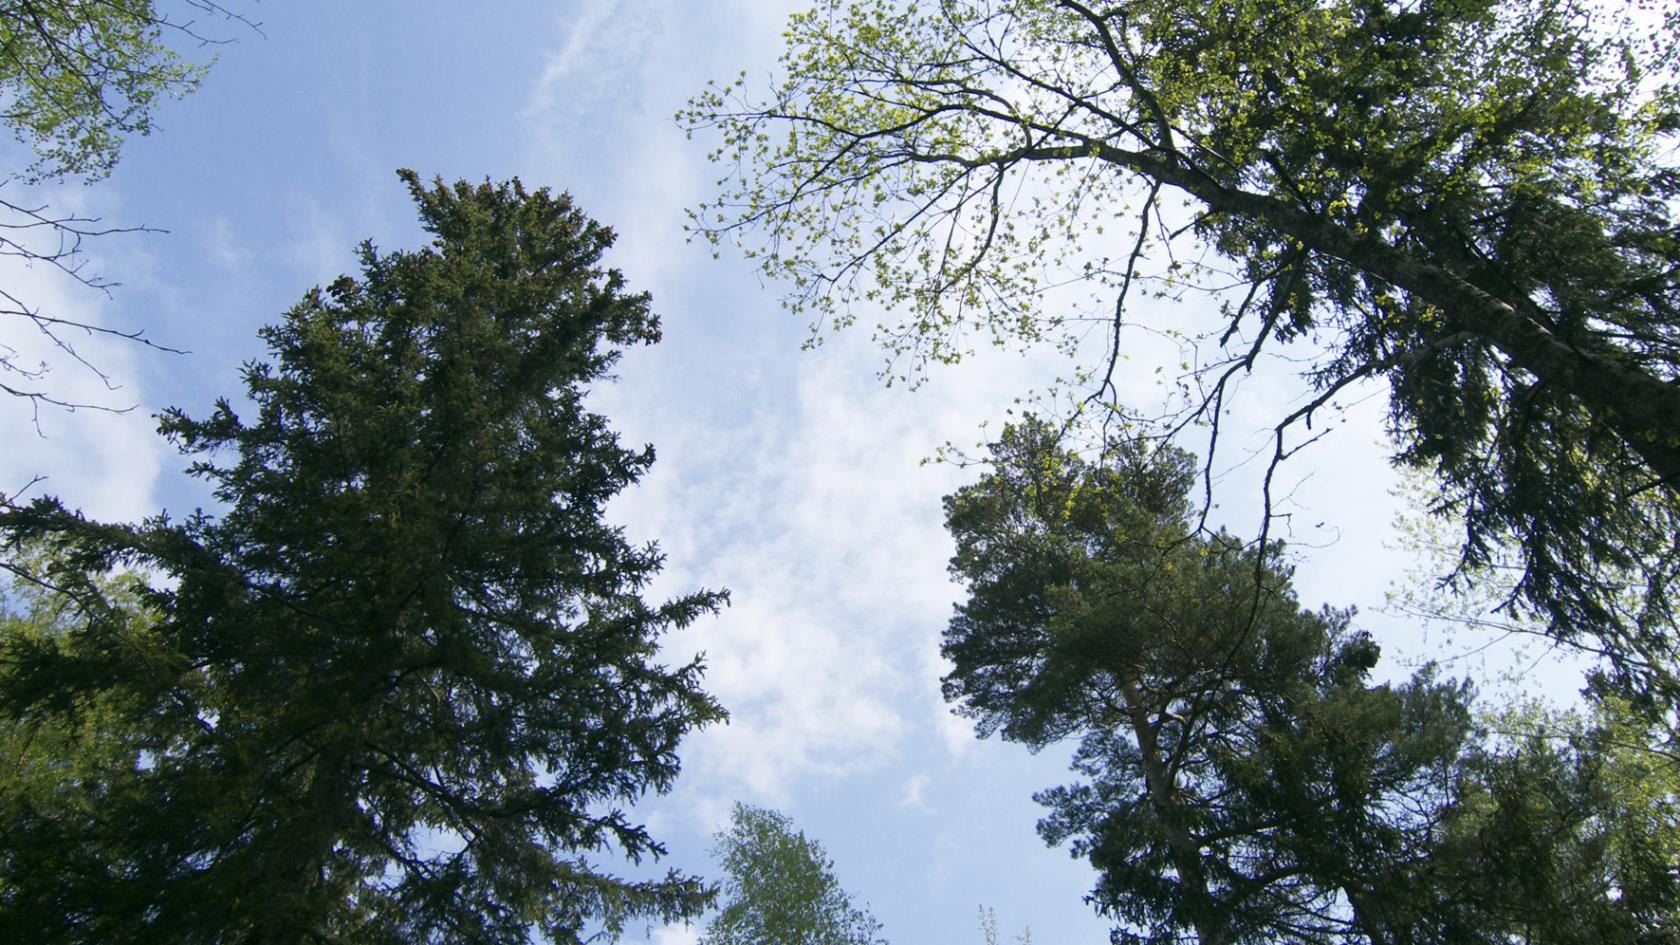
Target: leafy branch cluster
(76,80)
(1468,199)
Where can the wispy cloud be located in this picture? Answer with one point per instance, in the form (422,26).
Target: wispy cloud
(581,41)
(914,789)
(591,84)
(223,245)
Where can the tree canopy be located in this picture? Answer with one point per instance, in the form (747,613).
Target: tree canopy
(779,886)
(76,80)
(402,684)
(1468,199)
(1242,777)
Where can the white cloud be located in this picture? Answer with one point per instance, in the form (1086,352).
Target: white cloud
(678,934)
(914,789)
(815,511)
(102,461)
(223,245)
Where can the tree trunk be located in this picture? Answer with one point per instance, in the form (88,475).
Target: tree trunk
(1644,410)
(1163,791)
(299,859)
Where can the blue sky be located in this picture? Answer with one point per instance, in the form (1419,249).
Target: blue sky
(793,478)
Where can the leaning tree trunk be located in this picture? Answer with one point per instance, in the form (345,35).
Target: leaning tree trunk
(1642,409)
(1163,796)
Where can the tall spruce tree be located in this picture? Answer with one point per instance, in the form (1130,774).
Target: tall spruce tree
(398,687)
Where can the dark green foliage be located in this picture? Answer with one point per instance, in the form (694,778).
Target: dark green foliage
(72,768)
(1565,830)
(1242,779)
(780,888)
(400,684)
